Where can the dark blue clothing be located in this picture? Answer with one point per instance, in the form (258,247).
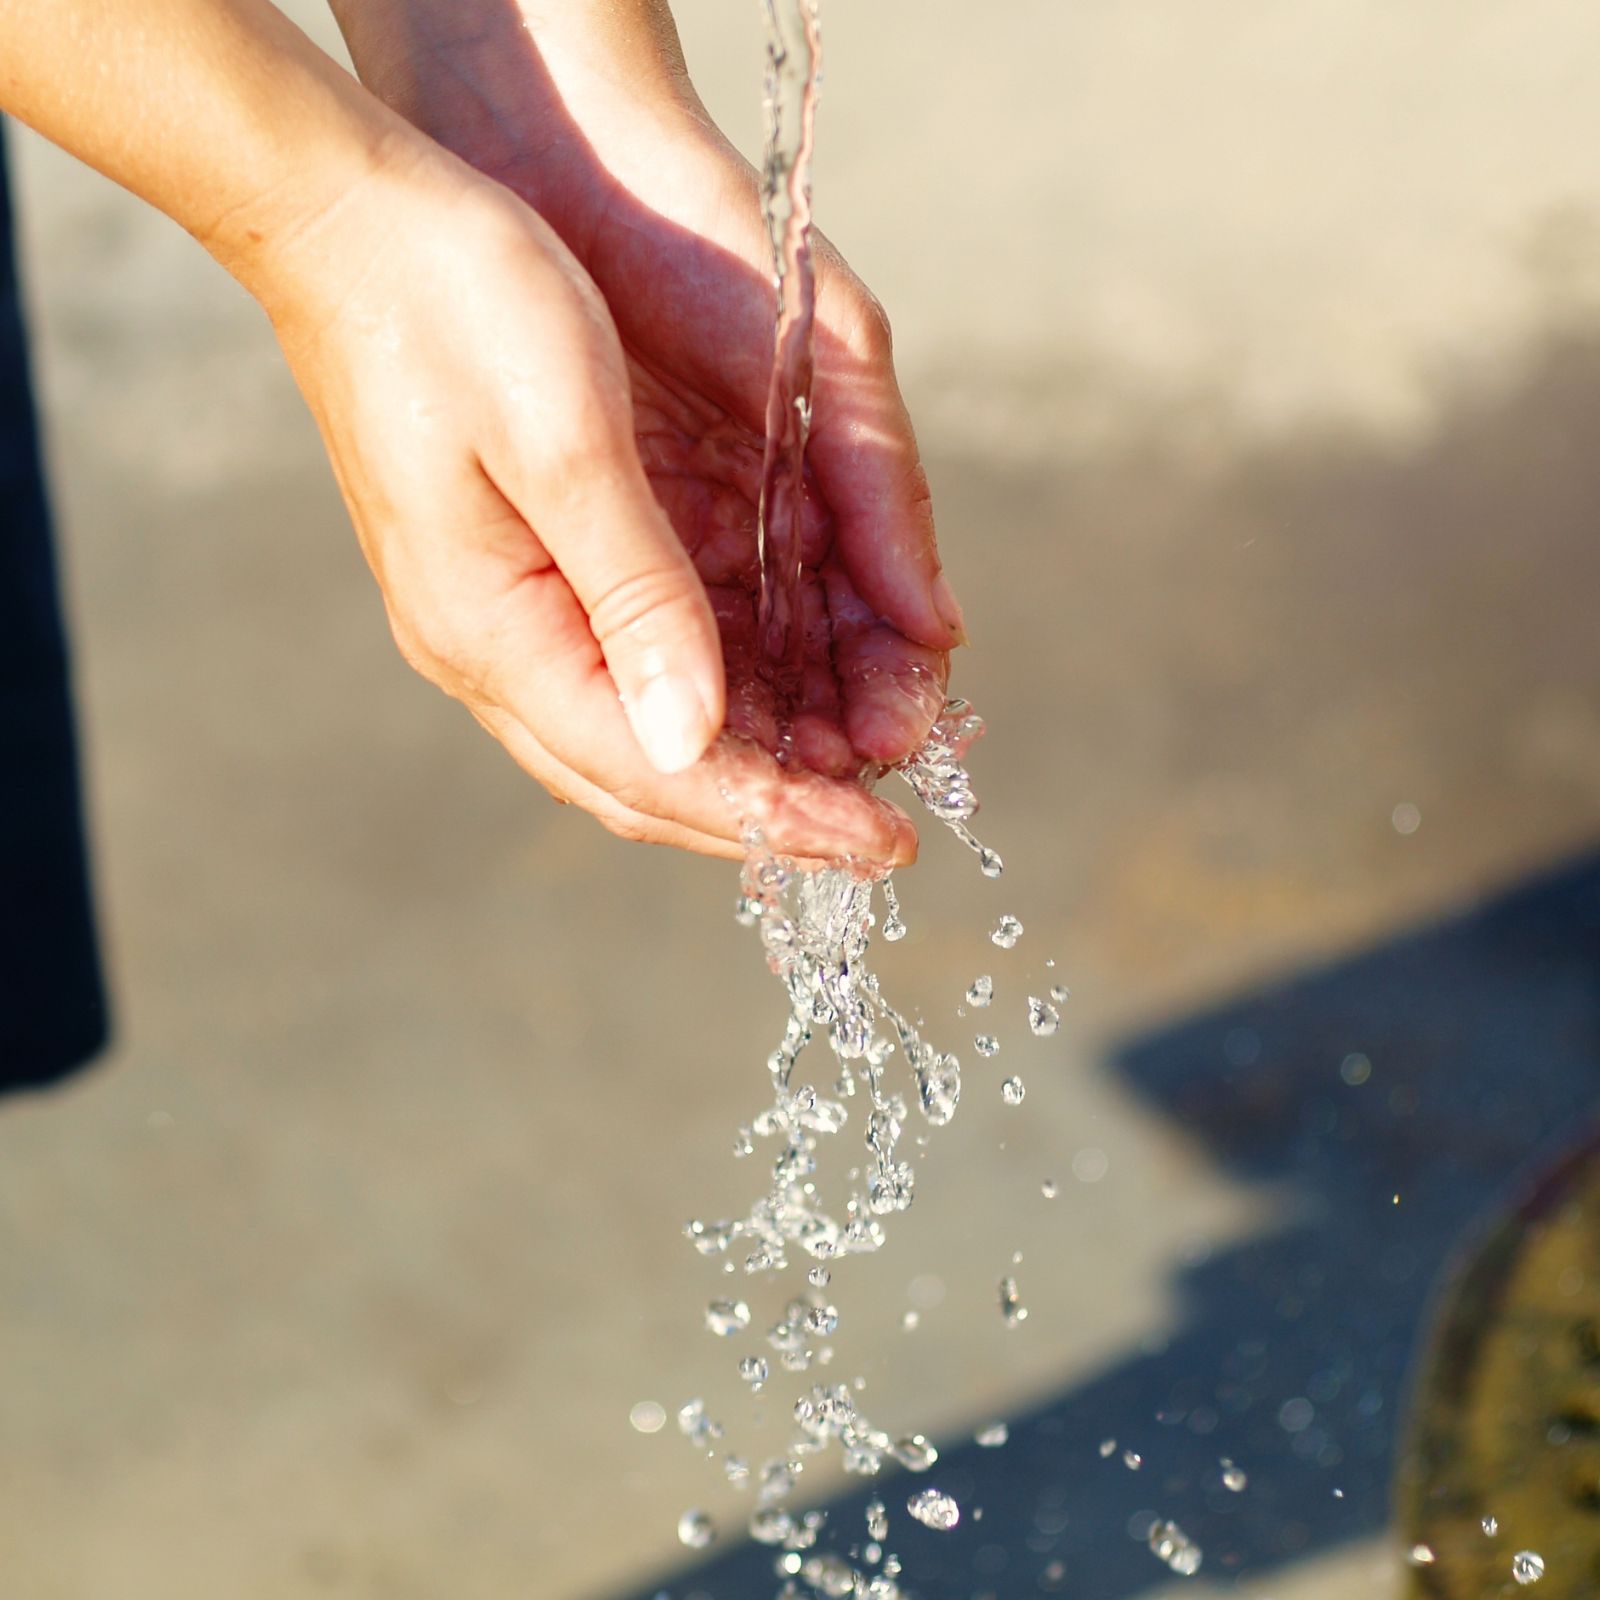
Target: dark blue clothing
(52,1004)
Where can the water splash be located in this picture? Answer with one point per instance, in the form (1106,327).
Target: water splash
(1169,1543)
(934,1509)
(879,1072)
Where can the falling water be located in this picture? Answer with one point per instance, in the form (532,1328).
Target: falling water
(794,57)
(876,1071)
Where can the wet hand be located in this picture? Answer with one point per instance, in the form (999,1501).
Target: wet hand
(475,401)
(604,138)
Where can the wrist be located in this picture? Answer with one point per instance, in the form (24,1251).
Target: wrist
(525,92)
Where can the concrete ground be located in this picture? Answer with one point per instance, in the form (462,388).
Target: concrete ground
(1257,355)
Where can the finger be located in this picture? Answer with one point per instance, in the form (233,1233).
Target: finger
(870,472)
(588,499)
(572,788)
(549,674)
(892,687)
(820,740)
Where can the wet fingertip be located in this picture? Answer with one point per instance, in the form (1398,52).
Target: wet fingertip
(907,844)
(880,733)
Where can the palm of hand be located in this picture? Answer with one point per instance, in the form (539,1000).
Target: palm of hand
(695,313)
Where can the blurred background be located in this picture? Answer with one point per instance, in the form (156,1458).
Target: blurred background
(1256,356)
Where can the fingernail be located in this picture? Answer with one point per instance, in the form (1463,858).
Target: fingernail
(669,720)
(949,609)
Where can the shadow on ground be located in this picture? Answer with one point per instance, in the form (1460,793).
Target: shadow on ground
(1386,1102)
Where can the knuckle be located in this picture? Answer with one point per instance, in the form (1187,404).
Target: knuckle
(630,796)
(626,825)
(628,603)
(433,648)
(875,330)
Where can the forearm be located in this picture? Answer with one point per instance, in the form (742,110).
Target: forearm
(219,112)
(504,81)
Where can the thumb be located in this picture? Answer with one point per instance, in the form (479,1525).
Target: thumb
(647,608)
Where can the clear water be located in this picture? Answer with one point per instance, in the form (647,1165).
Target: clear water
(794,57)
(1169,1543)
(934,1509)
(850,1061)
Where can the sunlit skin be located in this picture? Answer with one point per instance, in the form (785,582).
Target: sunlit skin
(587,113)
(539,366)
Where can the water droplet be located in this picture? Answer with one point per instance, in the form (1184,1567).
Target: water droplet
(1059,992)
(736,1469)
(1420,1555)
(696,1426)
(1233,1477)
(754,1370)
(727,1317)
(1011,1306)
(1132,1460)
(1491,1526)
(648,1417)
(992,1437)
(934,1509)
(1355,1069)
(1527,1566)
(823,1319)
(1006,932)
(911,1321)
(877,1519)
(914,1453)
(1049,1188)
(772,1525)
(986,1044)
(695,1530)
(989,863)
(831,1576)
(1012,1091)
(981,992)
(1108,1448)
(1043,1018)
(1169,1543)
(818,1277)
(894,929)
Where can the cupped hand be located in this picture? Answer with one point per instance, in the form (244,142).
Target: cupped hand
(661,215)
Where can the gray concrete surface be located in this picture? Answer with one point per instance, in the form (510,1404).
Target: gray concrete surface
(1257,361)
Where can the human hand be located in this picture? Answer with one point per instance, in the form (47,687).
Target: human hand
(474,400)
(618,156)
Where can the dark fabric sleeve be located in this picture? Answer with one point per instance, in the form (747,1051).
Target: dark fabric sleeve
(52,1001)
